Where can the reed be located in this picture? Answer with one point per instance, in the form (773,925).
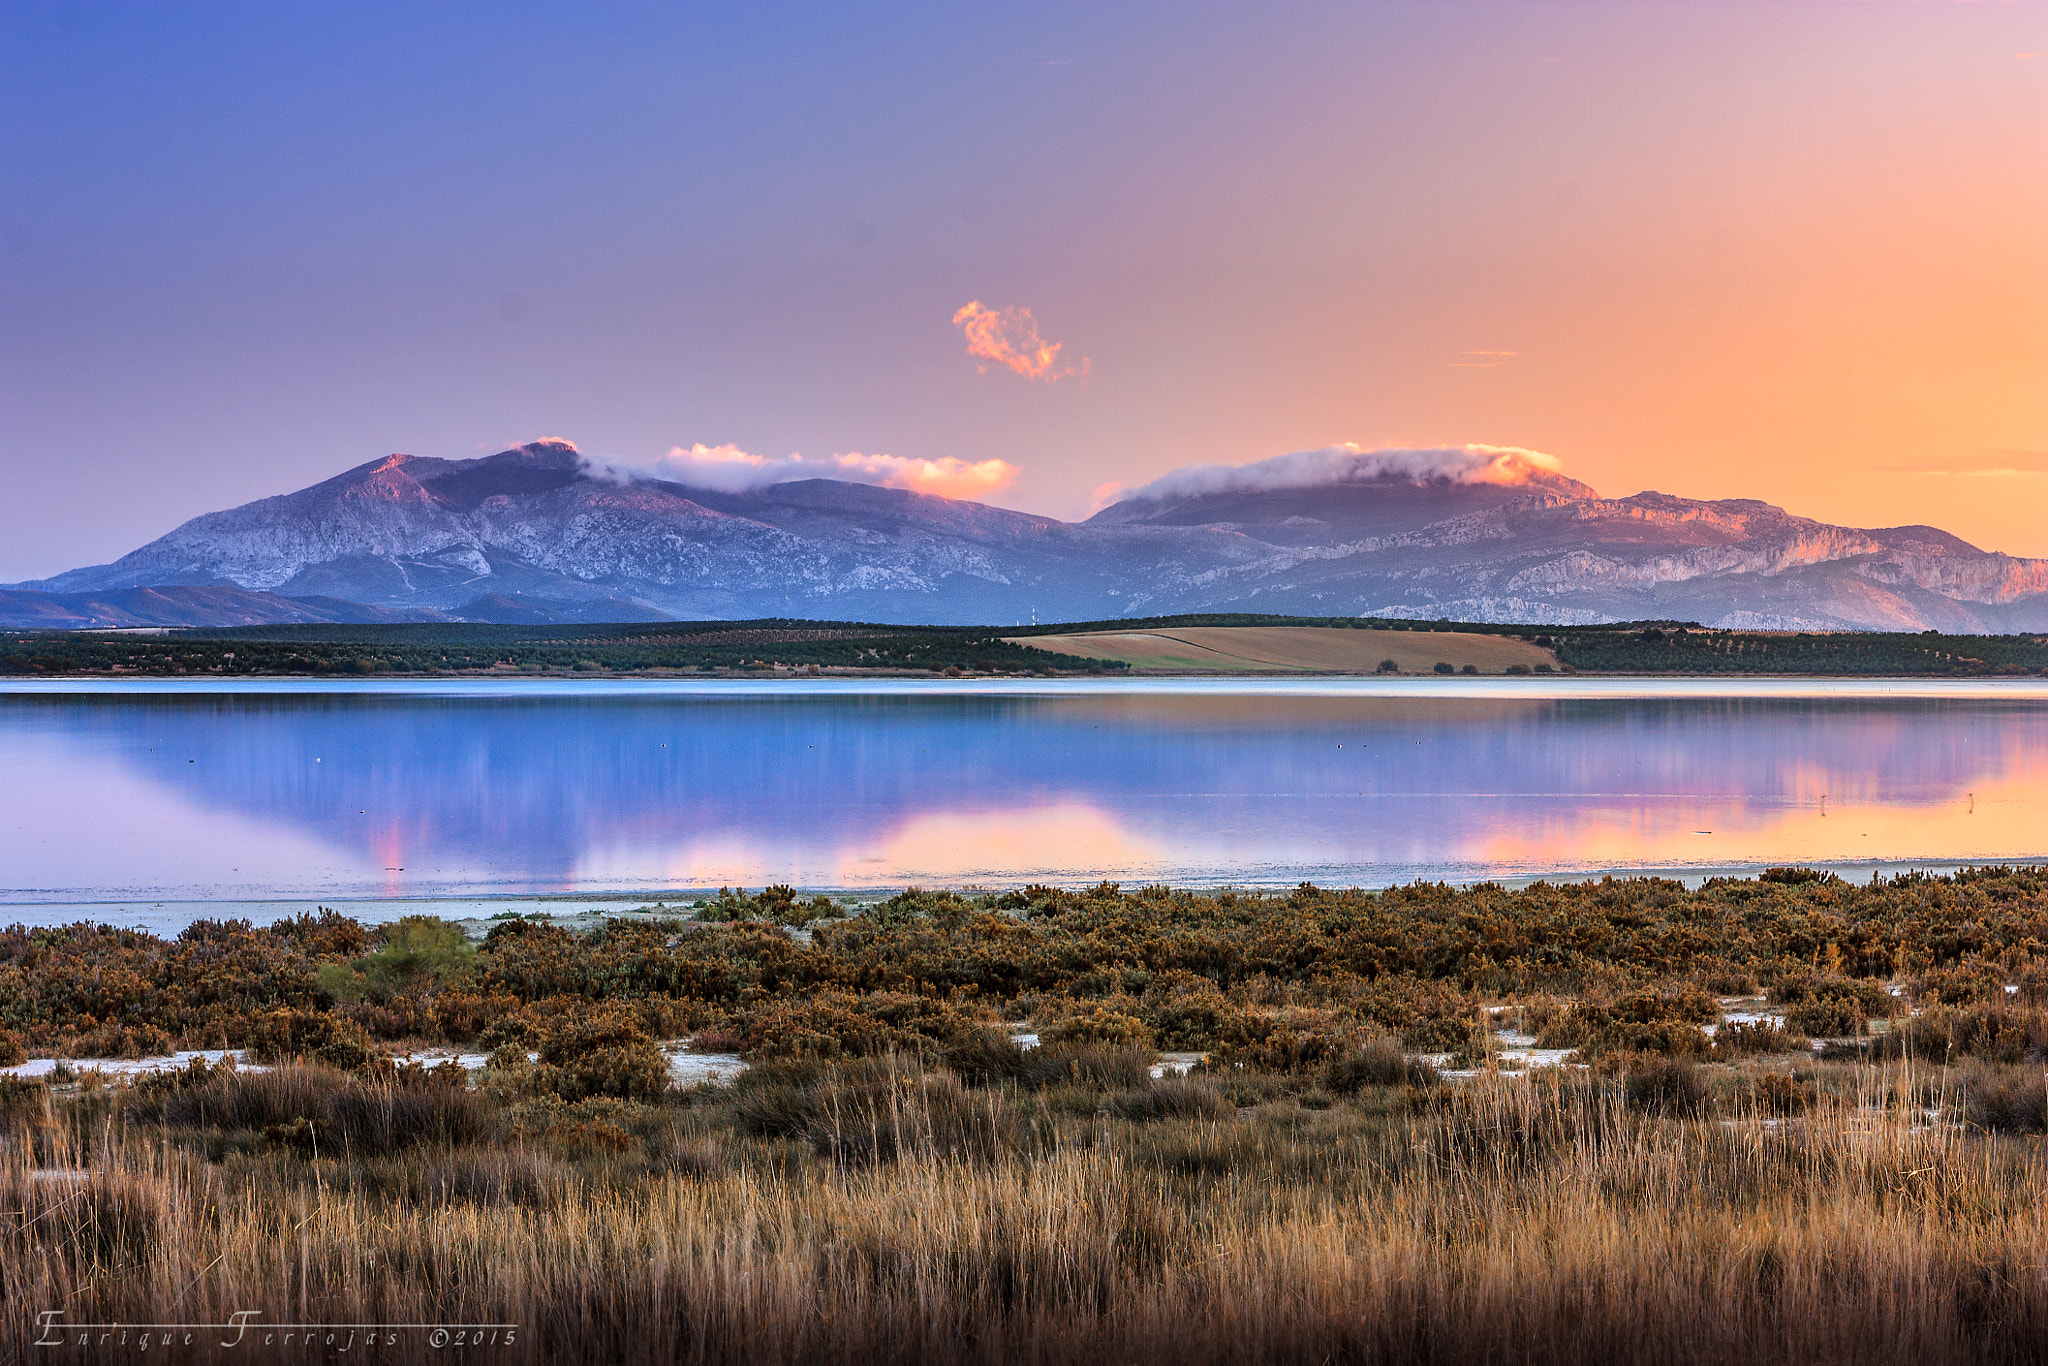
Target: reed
(892,1215)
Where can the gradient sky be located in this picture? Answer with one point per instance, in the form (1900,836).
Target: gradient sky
(1791,251)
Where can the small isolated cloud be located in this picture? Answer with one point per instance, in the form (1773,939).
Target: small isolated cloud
(1984,464)
(1009,337)
(1349,464)
(729,469)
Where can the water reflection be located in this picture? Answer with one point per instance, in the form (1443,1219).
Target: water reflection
(250,796)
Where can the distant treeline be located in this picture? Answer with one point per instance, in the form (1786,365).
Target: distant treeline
(791,643)
(437,648)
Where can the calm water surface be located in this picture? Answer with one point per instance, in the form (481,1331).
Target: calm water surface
(138,793)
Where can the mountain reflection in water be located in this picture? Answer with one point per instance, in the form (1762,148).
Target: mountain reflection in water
(248,795)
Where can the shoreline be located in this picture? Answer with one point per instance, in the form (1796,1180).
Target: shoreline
(477,911)
(910,683)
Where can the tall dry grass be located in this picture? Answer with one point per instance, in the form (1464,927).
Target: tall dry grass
(1506,1220)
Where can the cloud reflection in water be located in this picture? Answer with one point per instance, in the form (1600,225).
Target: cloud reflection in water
(341,795)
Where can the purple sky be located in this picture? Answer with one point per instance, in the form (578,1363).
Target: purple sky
(1782,250)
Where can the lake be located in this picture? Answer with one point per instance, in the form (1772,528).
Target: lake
(132,801)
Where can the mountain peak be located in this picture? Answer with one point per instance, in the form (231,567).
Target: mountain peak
(1472,532)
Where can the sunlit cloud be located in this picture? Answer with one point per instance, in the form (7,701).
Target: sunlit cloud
(1009,337)
(1483,360)
(730,469)
(1349,464)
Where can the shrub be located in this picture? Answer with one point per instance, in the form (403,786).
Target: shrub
(2000,1033)
(602,1051)
(1744,1037)
(872,1110)
(1172,1098)
(1096,1065)
(1669,1087)
(1644,1021)
(1826,1017)
(1100,1025)
(1967,984)
(12,1054)
(112,1040)
(310,1036)
(1782,1093)
(1379,1063)
(316,1108)
(1444,668)
(23,1095)
(1264,1044)
(2006,1099)
(411,952)
(1436,1017)
(982,1056)
(832,1024)
(153,1088)
(1993,1033)
(1867,994)
(928,1114)
(1187,1013)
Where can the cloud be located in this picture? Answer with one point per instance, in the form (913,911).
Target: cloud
(728,469)
(1009,337)
(1483,360)
(1349,464)
(1103,496)
(1985,464)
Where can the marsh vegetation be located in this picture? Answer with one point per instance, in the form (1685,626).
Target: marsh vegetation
(1799,1120)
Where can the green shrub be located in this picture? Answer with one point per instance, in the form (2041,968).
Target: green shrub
(414,951)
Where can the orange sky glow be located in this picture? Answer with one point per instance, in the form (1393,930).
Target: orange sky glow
(1795,250)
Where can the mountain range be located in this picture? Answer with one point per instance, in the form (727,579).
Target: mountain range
(540,534)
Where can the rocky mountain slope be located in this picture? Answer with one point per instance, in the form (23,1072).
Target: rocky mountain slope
(536,533)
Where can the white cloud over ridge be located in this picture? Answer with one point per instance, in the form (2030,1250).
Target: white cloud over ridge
(1349,464)
(729,469)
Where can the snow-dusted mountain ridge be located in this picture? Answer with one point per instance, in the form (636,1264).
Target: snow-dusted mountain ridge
(1504,540)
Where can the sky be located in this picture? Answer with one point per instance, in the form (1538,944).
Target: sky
(1029,253)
